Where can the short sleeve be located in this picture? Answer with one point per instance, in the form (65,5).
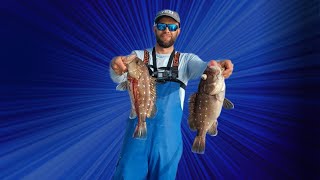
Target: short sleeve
(195,66)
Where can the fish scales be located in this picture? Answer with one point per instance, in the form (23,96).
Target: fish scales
(142,91)
(205,106)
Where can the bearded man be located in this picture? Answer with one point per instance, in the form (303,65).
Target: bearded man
(158,155)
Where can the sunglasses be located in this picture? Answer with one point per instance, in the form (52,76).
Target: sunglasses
(171,27)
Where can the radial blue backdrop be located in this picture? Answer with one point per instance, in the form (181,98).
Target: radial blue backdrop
(61,117)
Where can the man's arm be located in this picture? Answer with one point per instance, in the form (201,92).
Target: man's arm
(196,66)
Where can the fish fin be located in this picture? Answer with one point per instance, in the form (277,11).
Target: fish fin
(227,104)
(220,97)
(153,96)
(199,145)
(153,80)
(153,112)
(141,131)
(213,130)
(122,86)
(191,119)
(153,88)
(133,114)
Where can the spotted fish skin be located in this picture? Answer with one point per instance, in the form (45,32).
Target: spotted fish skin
(205,106)
(142,91)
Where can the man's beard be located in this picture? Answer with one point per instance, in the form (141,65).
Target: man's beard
(166,44)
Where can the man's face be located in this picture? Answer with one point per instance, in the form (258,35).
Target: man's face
(166,38)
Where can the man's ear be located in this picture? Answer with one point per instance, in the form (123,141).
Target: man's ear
(178,32)
(154,29)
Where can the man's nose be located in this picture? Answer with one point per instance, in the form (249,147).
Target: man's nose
(166,30)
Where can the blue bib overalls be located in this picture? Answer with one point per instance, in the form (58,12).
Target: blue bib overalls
(158,156)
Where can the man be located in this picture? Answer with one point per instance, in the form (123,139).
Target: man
(157,156)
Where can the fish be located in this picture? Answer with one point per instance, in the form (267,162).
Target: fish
(206,104)
(142,92)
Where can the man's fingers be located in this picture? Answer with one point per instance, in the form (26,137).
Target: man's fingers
(226,73)
(114,66)
(123,67)
(228,66)
(118,65)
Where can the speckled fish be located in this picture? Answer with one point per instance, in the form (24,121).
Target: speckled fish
(142,91)
(205,106)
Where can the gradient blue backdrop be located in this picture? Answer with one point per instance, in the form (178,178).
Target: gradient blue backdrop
(61,117)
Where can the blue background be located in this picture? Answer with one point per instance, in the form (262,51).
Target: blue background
(61,117)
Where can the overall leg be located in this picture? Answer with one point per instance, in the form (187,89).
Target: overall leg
(164,161)
(133,161)
(166,141)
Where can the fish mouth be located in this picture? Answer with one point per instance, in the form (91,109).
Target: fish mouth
(214,71)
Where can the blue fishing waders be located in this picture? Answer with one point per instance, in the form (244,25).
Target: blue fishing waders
(158,156)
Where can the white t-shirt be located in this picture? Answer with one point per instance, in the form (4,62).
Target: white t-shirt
(190,67)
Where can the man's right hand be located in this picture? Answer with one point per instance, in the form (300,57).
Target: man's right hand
(117,64)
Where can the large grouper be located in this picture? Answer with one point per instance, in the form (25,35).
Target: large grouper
(206,104)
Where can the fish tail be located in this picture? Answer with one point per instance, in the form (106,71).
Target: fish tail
(199,145)
(141,131)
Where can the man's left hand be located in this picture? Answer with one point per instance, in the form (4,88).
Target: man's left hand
(227,65)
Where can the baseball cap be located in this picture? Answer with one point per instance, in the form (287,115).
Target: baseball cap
(166,12)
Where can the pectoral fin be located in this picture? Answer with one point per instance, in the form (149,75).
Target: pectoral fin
(227,104)
(122,86)
(133,114)
(213,130)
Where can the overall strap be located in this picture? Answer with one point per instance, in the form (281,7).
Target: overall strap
(155,61)
(175,70)
(146,57)
(146,61)
(176,59)
(176,62)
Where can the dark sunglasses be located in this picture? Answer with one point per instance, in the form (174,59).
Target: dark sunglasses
(171,27)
